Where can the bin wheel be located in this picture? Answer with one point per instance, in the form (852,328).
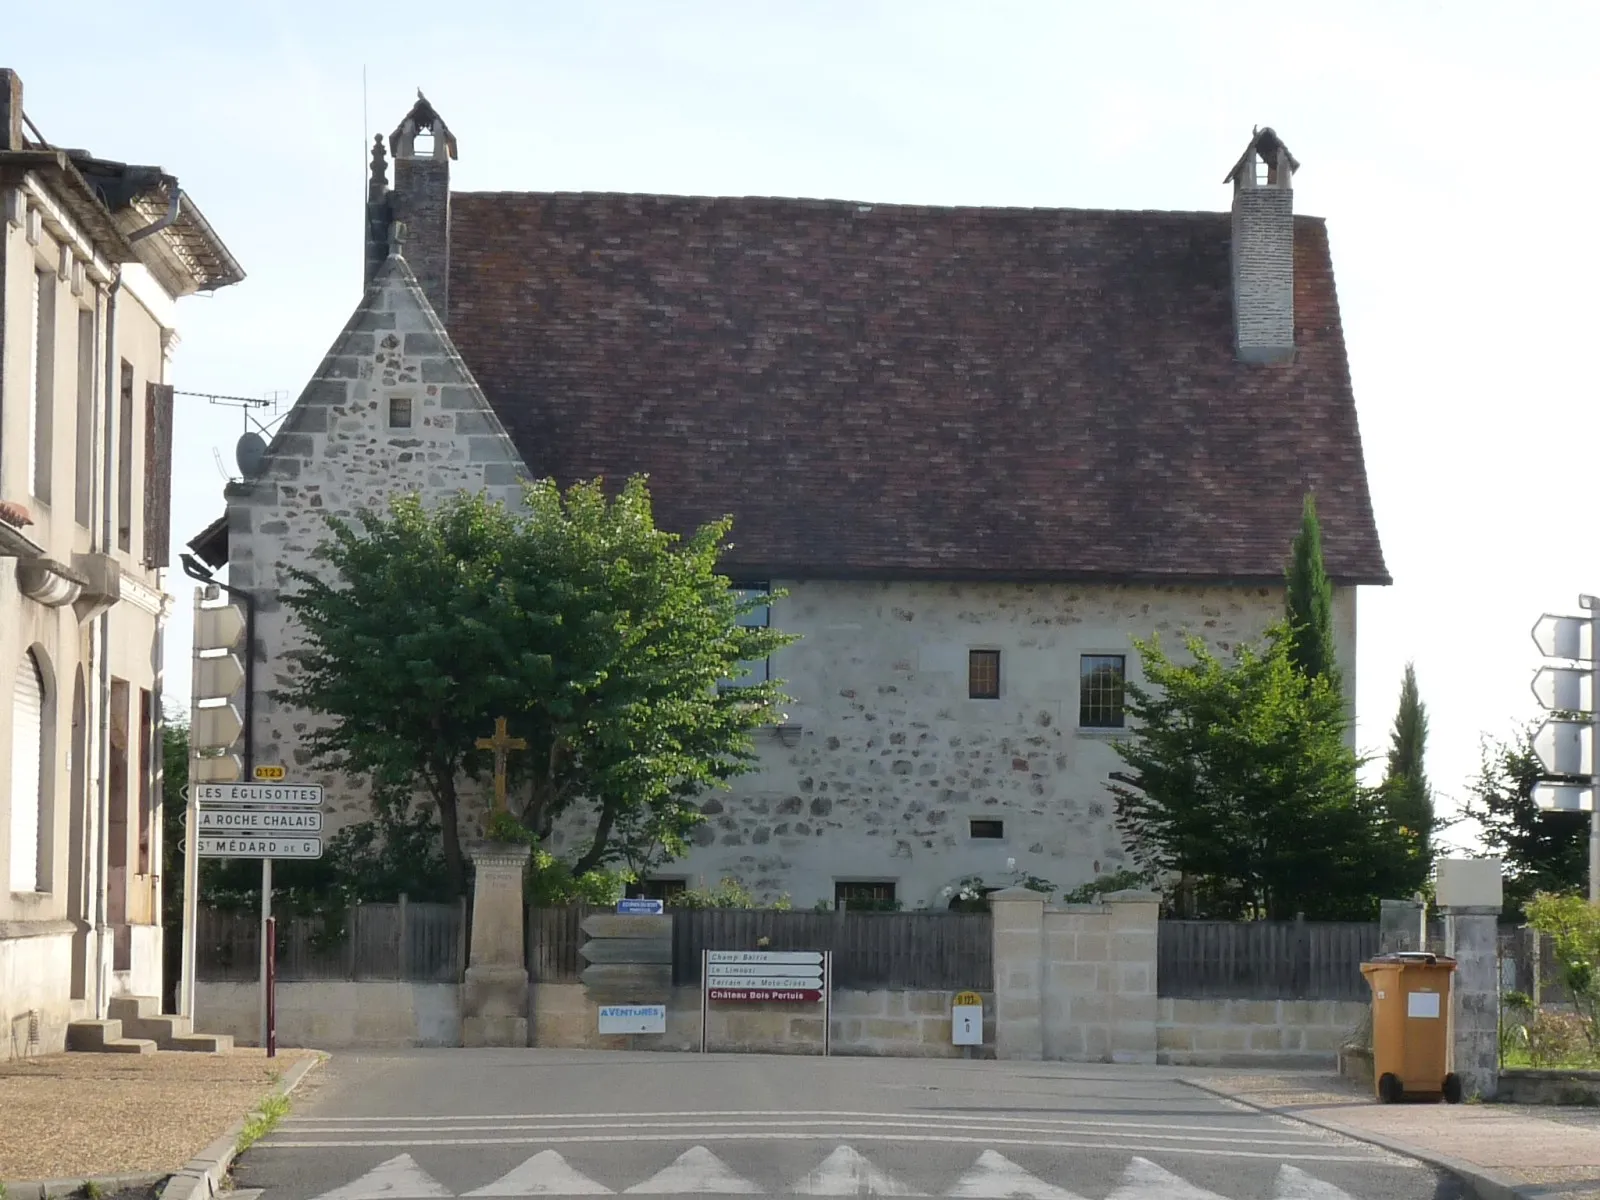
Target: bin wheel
(1452,1088)
(1390,1089)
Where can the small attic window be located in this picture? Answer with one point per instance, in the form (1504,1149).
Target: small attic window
(399,412)
(422,145)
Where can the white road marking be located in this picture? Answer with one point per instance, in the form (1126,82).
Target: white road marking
(545,1174)
(696,1171)
(397,1178)
(1143,1180)
(1295,1184)
(846,1172)
(1210,1134)
(996,1177)
(778,1135)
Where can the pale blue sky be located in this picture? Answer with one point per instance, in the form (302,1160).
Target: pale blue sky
(1449,146)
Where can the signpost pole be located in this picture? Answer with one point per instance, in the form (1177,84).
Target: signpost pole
(1592,603)
(272,986)
(266,949)
(827,1002)
(705,994)
(191,855)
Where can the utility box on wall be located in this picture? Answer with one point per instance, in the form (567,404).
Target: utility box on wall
(966,1019)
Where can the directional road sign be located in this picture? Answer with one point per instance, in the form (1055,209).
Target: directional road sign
(218,676)
(216,725)
(260,820)
(1565,689)
(225,845)
(1563,797)
(641,907)
(1565,747)
(215,768)
(1564,637)
(766,957)
(269,794)
(753,995)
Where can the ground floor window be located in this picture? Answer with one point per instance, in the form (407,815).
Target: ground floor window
(865,895)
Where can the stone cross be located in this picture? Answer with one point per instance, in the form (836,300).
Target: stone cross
(501,744)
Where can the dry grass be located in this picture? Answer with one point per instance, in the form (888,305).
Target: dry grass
(71,1116)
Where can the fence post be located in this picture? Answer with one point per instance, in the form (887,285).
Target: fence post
(461,938)
(404,950)
(1302,958)
(351,937)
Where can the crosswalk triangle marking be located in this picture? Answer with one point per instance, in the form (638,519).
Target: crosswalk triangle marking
(695,1170)
(1143,1180)
(397,1178)
(1295,1184)
(545,1174)
(996,1177)
(846,1172)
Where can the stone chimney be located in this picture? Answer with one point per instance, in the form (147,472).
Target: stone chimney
(11,111)
(422,147)
(1262,250)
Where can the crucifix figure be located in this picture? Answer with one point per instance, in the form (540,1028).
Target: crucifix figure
(501,743)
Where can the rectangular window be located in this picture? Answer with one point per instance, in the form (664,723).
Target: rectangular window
(874,895)
(399,412)
(125,460)
(83,450)
(44,382)
(987,829)
(157,473)
(983,674)
(760,617)
(1100,684)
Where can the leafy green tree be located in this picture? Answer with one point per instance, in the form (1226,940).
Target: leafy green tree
(1308,603)
(1574,926)
(1406,792)
(1240,781)
(600,638)
(1542,851)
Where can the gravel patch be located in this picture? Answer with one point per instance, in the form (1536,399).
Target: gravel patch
(73,1116)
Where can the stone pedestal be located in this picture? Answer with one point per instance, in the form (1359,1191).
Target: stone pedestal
(494,998)
(1473,937)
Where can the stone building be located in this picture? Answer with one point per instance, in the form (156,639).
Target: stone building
(93,256)
(980,448)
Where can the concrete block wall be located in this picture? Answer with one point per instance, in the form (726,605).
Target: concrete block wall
(1244,1033)
(332,1014)
(905,1024)
(34,1005)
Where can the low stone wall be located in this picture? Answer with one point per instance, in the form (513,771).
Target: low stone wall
(1246,1033)
(35,975)
(373,1014)
(1526,1085)
(913,1024)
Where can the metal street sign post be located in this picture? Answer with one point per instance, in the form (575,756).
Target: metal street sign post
(767,977)
(1568,743)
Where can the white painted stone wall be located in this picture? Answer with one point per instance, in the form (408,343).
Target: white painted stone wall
(35,1007)
(333,1014)
(894,760)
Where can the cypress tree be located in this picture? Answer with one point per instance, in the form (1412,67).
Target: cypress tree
(1308,602)
(1408,797)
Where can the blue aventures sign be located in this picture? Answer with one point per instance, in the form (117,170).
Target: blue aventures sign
(641,908)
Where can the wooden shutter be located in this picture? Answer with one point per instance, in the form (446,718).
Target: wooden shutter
(157,473)
(27,741)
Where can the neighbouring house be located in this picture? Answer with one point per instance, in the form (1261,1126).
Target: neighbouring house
(93,255)
(981,449)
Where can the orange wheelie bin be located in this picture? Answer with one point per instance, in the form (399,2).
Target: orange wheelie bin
(1411,1027)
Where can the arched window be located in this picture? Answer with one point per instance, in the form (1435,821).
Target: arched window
(27,773)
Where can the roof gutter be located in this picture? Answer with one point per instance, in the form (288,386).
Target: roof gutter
(174,207)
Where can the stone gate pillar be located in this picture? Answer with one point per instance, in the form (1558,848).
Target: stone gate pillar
(494,998)
(1018,973)
(1469,895)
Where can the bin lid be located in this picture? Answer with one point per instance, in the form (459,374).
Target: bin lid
(1424,958)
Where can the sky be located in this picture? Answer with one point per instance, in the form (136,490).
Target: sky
(1448,146)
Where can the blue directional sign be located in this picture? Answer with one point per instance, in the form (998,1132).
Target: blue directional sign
(640,908)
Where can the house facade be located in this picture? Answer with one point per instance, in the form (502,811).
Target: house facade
(93,256)
(981,450)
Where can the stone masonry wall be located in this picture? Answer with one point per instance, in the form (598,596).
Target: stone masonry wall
(1243,1033)
(894,761)
(338,452)
(903,1024)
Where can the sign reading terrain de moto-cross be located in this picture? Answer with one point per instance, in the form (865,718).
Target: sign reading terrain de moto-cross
(765,976)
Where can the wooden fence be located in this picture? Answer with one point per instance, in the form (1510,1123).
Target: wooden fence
(897,951)
(418,942)
(1265,960)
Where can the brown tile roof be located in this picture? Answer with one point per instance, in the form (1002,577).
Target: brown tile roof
(883,390)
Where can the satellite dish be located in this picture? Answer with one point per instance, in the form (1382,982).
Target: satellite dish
(252,448)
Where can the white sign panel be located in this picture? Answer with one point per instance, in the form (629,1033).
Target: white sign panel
(807,983)
(263,846)
(770,970)
(1564,689)
(1565,747)
(1563,637)
(633,1018)
(1422,1004)
(966,1025)
(765,957)
(261,820)
(275,794)
(1563,797)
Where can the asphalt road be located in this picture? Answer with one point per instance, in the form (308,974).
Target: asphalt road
(425,1125)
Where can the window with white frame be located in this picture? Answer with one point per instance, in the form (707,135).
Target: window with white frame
(1100,691)
(757,670)
(27,774)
